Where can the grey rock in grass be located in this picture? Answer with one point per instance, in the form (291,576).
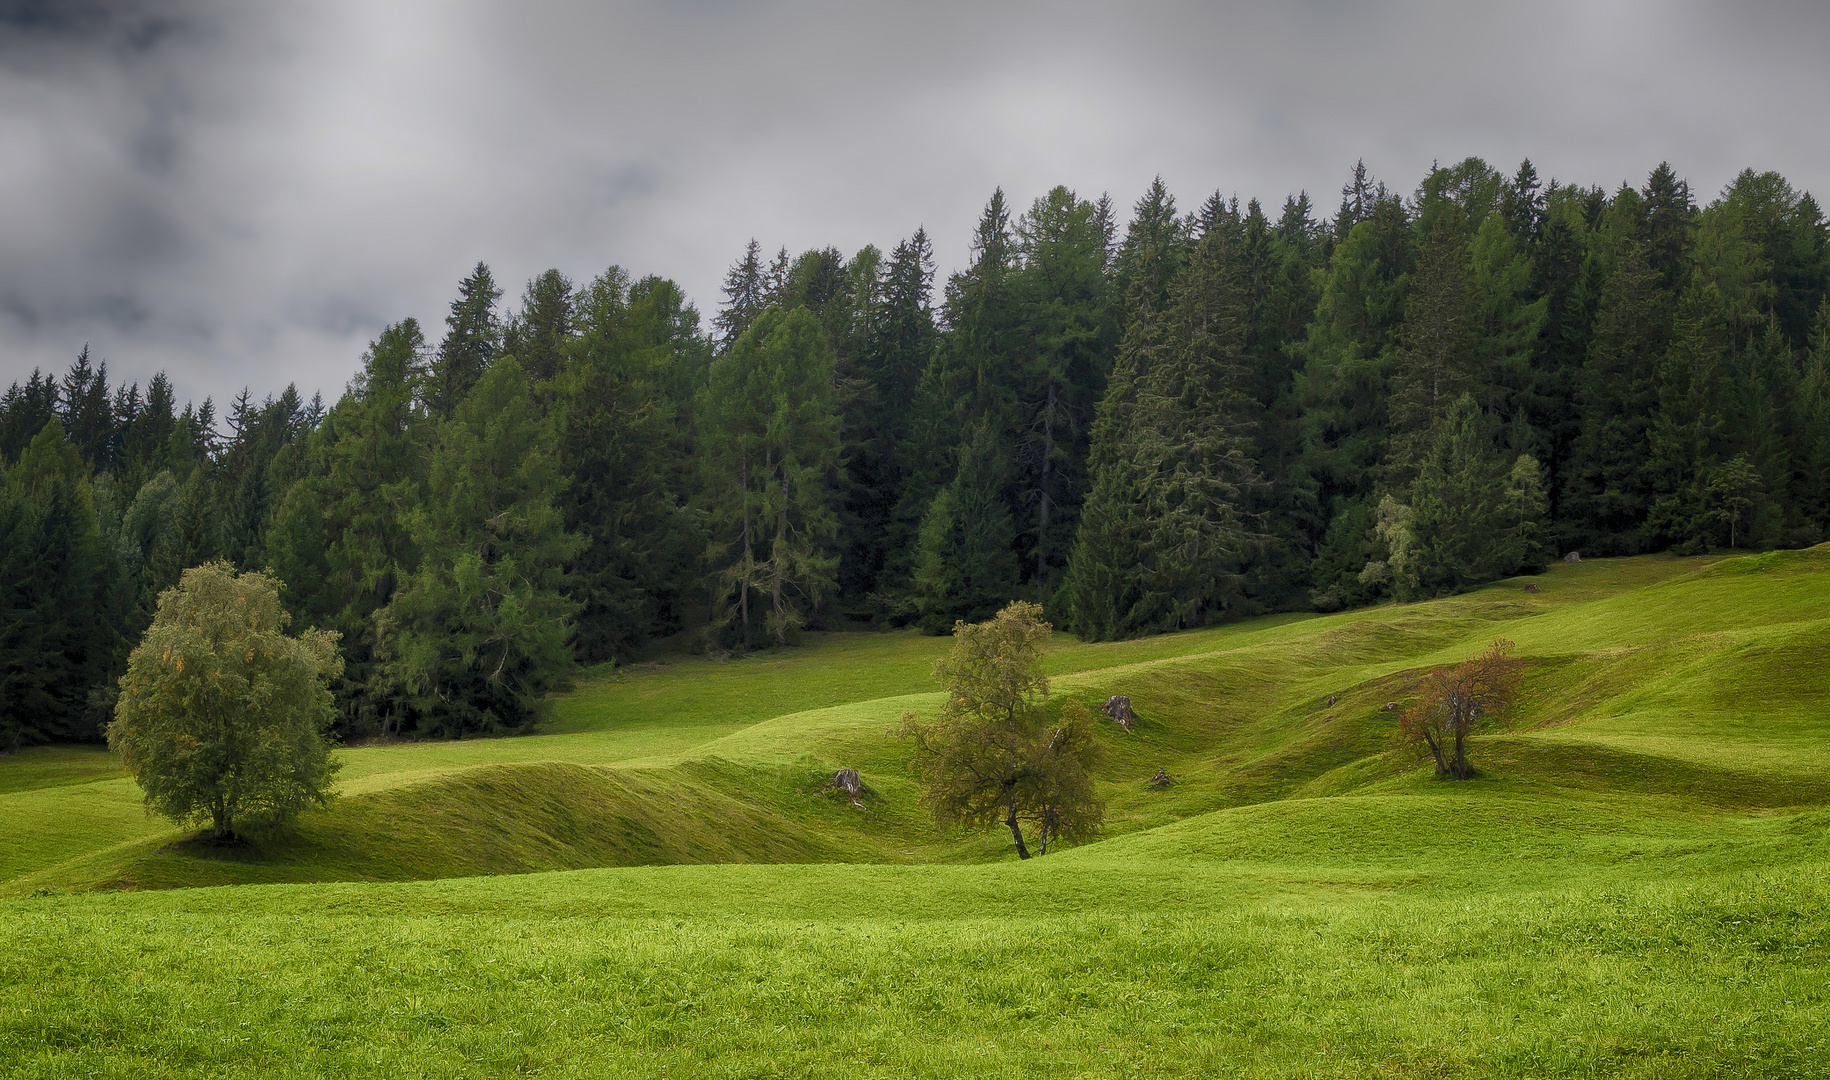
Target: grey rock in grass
(846,780)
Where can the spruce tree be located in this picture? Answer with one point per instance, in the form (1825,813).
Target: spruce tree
(1104,567)
(1348,352)
(771,453)
(1687,433)
(1064,307)
(53,651)
(340,537)
(1194,435)
(1156,247)
(480,633)
(1436,362)
(1166,528)
(473,337)
(146,441)
(745,296)
(1607,489)
(613,420)
(882,458)
(88,414)
(537,336)
(1464,521)
(972,375)
(25,411)
(965,563)
(1666,221)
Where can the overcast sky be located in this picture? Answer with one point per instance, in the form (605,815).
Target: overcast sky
(244,194)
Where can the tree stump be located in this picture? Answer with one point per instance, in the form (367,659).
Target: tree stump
(1574,556)
(1118,707)
(846,780)
(1161,779)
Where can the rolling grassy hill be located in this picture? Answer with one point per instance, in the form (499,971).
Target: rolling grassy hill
(1635,885)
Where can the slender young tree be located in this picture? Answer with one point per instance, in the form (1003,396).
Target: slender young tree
(1452,702)
(996,754)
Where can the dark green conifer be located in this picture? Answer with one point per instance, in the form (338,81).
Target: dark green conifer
(473,338)
(480,633)
(965,564)
(771,453)
(53,648)
(538,335)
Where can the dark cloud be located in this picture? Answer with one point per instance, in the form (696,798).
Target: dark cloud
(246,193)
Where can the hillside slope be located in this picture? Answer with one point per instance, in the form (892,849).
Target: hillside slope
(1689,682)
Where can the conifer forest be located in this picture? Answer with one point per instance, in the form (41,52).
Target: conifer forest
(1142,421)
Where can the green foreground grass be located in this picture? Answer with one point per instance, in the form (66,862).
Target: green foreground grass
(1636,885)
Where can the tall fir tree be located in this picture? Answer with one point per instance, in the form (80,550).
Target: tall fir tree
(881,458)
(1064,307)
(745,296)
(480,633)
(340,537)
(613,420)
(1435,362)
(965,561)
(771,455)
(52,646)
(473,338)
(1167,526)
(537,336)
(1607,490)
(972,375)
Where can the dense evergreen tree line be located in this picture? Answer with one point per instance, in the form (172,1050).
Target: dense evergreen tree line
(1188,418)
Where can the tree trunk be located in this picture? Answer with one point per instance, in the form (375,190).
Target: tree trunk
(779,566)
(1442,767)
(1016,833)
(1459,767)
(1462,719)
(1048,462)
(743,597)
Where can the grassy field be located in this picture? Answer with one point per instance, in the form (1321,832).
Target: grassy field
(1636,884)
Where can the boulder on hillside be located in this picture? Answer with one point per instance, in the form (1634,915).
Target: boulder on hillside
(846,780)
(1574,556)
(1161,779)
(1118,707)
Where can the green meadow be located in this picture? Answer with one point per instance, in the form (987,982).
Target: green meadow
(1637,883)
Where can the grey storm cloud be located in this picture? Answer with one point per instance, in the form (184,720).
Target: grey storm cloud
(245,194)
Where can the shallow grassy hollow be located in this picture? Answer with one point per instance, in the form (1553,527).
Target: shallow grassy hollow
(1636,884)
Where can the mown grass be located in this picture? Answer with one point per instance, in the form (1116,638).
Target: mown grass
(1635,885)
